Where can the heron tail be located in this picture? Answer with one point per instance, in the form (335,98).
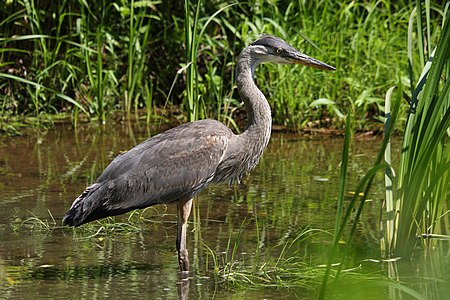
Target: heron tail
(81,209)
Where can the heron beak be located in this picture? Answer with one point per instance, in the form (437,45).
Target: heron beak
(303,59)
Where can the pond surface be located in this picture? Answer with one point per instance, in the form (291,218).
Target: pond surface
(293,190)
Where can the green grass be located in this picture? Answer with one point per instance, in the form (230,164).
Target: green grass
(110,57)
(425,161)
(417,202)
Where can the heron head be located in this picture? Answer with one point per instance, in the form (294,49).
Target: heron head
(272,49)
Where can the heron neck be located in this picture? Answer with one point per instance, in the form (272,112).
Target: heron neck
(259,119)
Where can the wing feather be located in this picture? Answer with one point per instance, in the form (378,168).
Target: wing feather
(175,164)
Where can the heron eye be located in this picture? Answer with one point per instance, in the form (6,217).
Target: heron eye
(279,50)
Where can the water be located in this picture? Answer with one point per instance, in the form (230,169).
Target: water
(293,189)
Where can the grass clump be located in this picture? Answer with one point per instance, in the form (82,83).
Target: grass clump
(422,192)
(416,203)
(89,60)
(234,269)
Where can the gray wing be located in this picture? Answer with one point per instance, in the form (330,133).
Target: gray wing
(171,165)
(177,163)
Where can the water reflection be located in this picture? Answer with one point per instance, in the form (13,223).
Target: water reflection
(293,188)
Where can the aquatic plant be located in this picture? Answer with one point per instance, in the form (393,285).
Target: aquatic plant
(417,202)
(422,193)
(88,61)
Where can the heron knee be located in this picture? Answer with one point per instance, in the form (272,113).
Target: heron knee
(183,260)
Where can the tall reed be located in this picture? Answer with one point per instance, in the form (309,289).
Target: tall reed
(190,39)
(425,160)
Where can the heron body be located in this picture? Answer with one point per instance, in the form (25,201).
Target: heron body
(174,166)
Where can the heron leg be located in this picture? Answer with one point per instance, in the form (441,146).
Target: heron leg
(184,210)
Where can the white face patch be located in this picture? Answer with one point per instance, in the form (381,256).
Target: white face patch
(260,50)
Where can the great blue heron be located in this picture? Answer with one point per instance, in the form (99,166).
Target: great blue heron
(174,166)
